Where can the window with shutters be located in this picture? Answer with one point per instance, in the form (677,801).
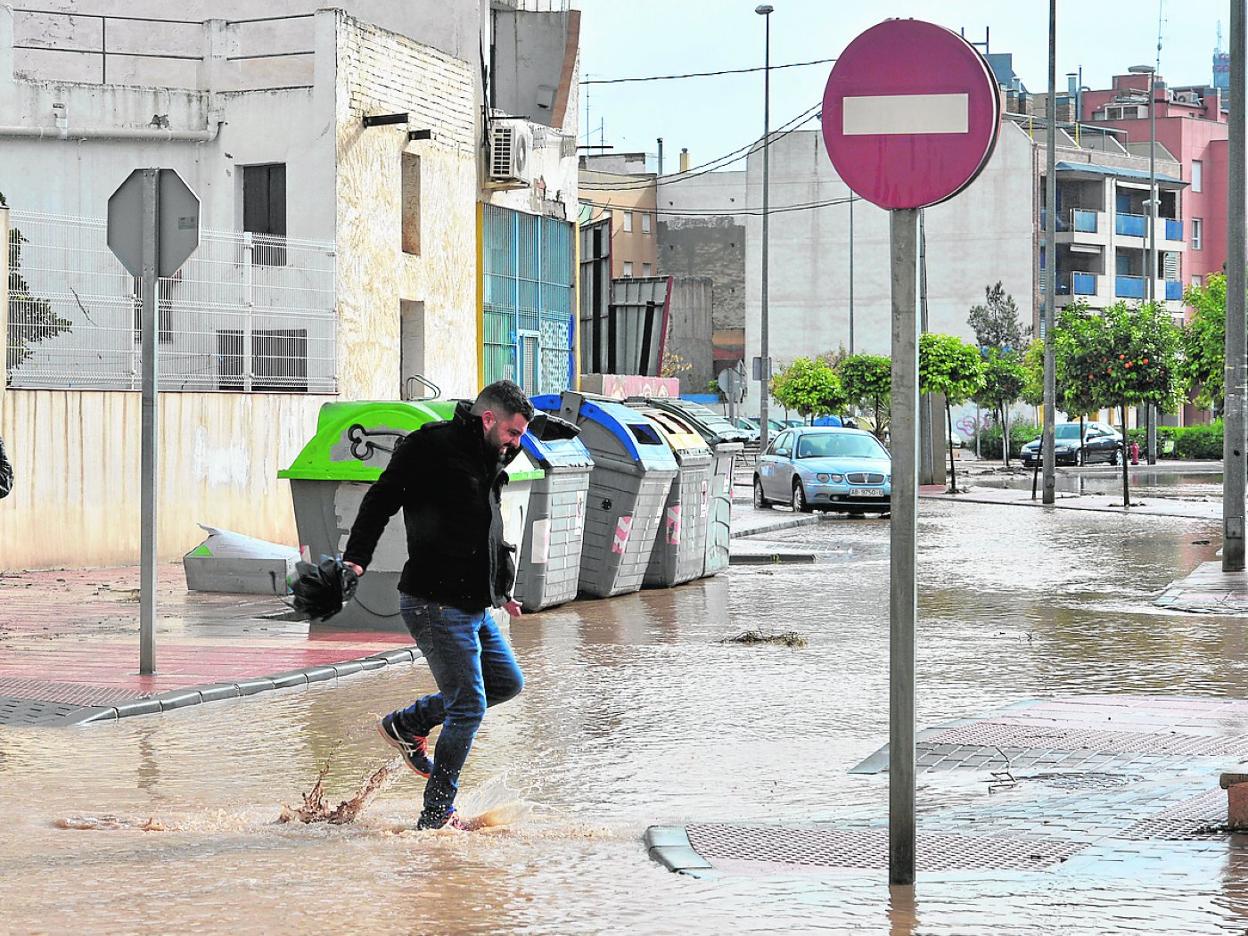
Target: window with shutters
(264,212)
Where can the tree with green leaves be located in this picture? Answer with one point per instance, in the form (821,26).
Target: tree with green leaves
(811,387)
(31,318)
(1204,343)
(1126,356)
(1077,334)
(996,323)
(951,367)
(868,380)
(1004,379)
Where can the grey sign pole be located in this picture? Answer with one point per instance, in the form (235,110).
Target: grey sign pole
(148,500)
(153,227)
(1233,444)
(903,594)
(1049,440)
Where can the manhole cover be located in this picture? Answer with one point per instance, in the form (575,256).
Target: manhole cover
(868,848)
(1077,780)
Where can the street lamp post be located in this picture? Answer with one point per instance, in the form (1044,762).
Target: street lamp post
(764,370)
(1151,285)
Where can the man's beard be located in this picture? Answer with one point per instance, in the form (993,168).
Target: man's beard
(494,443)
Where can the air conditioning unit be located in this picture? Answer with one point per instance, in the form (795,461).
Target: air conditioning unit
(511,142)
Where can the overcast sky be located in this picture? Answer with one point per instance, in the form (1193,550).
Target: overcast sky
(712,116)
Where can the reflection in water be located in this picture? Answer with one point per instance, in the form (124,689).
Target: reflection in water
(634,714)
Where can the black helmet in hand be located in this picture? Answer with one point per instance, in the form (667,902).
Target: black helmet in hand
(321,590)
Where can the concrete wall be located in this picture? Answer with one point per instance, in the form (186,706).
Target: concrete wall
(76,176)
(379,72)
(983,235)
(451,27)
(689,332)
(76,455)
(710,245)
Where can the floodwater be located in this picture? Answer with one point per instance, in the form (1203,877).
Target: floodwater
(1145,483)
(634,714)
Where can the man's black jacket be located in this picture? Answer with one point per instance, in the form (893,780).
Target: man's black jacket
(449,485)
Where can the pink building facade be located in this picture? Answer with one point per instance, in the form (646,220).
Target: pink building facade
(1192,126)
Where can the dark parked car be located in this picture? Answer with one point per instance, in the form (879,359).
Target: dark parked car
(1102,443)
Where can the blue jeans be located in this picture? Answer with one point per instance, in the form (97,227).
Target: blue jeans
(474,667)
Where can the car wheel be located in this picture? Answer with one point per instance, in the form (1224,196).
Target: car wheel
(1114,457)
(799,499)
(760,502)
(1080,459)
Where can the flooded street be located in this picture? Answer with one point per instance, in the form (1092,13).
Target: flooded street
(636,714)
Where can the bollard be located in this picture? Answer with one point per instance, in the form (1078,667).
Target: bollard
(1236,785)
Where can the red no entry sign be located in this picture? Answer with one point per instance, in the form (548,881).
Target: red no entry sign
(910,114)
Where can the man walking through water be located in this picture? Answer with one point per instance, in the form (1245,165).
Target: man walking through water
(448,478)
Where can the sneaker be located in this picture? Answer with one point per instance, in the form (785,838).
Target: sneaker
(449,821)
(414,748)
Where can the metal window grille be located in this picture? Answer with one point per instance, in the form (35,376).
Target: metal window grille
(229,320)
(528,280)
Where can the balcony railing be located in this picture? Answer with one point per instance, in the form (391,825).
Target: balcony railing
(1074,284)
(1174,229)
(1129,287)
(1174,290)
(1130,225)
(1083,220)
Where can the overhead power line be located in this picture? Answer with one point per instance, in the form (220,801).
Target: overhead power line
(719,162)
(707,74)
(716,212)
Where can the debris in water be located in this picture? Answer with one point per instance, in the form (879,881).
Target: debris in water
(788,638)
(315,809)
(109,824)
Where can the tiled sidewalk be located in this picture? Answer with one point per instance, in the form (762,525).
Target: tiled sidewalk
(1208,590)
(69,646)
(1049,786)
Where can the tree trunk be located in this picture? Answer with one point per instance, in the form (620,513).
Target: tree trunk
(953,472)
(1083,440)
(879,430)
(1126,476)
(1003,416)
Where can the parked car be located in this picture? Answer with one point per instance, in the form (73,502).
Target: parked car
(1101,443)
(825,468)
(747,425)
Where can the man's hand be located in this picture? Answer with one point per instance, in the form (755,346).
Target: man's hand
(358,570)
(513,608)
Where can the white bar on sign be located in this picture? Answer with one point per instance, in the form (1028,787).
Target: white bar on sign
(893,114)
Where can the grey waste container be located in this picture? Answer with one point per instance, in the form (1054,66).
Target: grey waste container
(727,442)
(633,470)
(554,530)
(679,553)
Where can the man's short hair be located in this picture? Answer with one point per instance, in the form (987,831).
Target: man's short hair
(504,397)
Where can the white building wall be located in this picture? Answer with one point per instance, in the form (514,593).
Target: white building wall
(983,235)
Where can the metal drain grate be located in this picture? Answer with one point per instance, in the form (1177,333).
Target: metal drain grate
(990,733)
(78,693)
(1197,818)
(28,713)
(867,849)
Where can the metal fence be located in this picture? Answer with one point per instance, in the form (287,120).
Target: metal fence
(245,313)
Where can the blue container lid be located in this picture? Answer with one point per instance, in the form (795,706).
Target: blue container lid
(557,453)
(637,435)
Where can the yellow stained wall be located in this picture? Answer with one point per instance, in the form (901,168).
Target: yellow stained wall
(380,73)
(76,460)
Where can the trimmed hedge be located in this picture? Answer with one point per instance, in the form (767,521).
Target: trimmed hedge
(1198,443)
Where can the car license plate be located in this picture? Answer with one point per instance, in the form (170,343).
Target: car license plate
(867,492)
